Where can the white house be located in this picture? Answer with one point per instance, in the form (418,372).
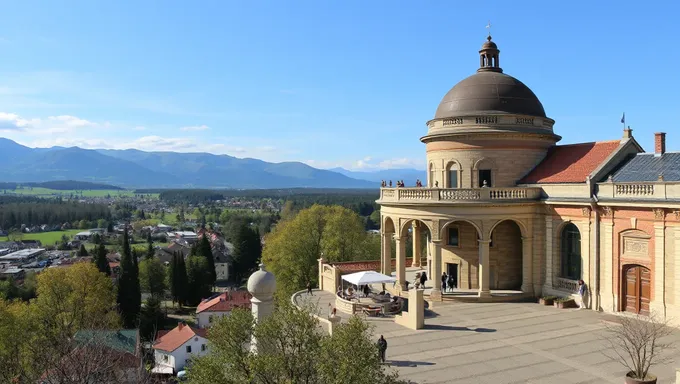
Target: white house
(174,349)
(208,311)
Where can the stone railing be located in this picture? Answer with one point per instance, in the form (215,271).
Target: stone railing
(566,285)
(658,191)
(458,194)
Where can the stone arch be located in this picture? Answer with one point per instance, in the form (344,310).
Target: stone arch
(452,166)
(484,164)
(387,225)
(403,230)
(522,227)
(506,254)
(475,225)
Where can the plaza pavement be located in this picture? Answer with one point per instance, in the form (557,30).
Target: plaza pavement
(504,343)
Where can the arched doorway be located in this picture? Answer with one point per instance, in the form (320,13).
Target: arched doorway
(570,252)
(505,251)
(460,254)
(637,289)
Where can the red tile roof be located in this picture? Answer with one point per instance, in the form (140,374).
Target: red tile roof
(175,338)
(225,302)
(570,163)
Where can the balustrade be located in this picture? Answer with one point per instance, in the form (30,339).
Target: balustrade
(635,189)
(458,194)
(567,285)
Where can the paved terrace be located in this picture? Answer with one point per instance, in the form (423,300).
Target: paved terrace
(503,343)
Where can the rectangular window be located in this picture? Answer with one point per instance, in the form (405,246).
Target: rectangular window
(188,348)
(453,237)
(165,358)
(203,347)
(484,175)
(453,179)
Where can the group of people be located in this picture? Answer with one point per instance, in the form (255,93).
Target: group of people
(448,282)
(400,184)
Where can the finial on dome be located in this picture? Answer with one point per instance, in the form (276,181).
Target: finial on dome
(261,265)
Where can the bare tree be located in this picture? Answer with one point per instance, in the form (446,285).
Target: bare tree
(637,343)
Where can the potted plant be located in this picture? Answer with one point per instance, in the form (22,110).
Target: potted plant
(564,302)
(547,300)
(636,343)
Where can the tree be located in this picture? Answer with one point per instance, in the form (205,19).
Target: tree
(198,279)
(129,295)
(291,349)
(247,252)
(101,261)
(150,252)
(152,277)
(177,276)
(109,227)
(292,250)
(82,251)
(151,318)
(205,249)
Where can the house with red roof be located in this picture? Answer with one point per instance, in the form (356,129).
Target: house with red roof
(211,309)
(175,348)
(507,207)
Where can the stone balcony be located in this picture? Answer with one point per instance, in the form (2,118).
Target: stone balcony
(663,191)
(458,195)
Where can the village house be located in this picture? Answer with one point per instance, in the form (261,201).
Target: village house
(173,349)
(211,309)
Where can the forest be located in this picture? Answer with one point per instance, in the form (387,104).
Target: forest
(60,185)
(15,211)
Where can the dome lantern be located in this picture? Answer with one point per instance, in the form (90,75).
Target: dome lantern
(489,57)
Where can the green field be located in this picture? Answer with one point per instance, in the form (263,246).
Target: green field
(45,192)
(47,238)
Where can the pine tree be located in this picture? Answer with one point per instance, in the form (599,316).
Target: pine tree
(82,251)
(182,282)
(150,252)
(172,278)
(101,261)
(129,292)
(205,250)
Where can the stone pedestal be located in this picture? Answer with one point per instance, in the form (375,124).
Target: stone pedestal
(414,318)
(334,322)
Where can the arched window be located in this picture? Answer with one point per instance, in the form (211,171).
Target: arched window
(570,251)
(452,172)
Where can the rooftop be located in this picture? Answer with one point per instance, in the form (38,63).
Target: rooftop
(571,163)
(225,302)
(171,340)
(647,167)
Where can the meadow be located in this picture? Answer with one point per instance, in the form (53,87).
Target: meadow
(47,238)
(46,192)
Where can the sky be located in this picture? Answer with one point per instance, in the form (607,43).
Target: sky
(330,83)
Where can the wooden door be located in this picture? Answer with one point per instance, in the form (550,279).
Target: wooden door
(638,290)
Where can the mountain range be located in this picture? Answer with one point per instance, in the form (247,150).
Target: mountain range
(133,168)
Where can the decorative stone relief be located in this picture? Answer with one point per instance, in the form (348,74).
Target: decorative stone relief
(607,211)
(435,229)
(635,247)
(659,214)
(586,211)
(677,214)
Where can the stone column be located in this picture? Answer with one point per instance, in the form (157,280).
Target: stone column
(436,270)
(483,269)
(527,265)
(659,302)
(549,263)
(417,244)
(586,260)
(607,294)
(321,285)
(676,254)
(386,254)
(400,243)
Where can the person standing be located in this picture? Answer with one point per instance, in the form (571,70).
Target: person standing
(423,279)
(444,278)
(451,283)
(382,348)
(582,293)
(309,288)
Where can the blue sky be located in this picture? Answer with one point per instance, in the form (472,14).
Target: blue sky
(331,83)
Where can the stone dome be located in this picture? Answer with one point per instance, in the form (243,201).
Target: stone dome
(489,92)
(262,284)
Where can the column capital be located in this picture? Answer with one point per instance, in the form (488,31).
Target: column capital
(484,241)
(527,238)
(399,238)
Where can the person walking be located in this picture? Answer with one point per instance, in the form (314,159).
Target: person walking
(582,294)
(309,288)
(423,279)
(382,348)
(451,283)
(444,278)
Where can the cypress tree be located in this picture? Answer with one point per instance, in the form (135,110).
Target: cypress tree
(205,250)
(129,291)
(82,251)
(172,278)
(182,281)
(101,261)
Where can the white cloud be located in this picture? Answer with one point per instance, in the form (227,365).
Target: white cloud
(369,164)
(195,128)
(12,122)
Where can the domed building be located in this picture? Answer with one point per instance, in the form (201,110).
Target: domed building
(506,208)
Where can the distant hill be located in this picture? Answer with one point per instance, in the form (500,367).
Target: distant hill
(408,175)
(138,169)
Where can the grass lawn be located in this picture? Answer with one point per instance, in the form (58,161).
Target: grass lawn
(46,192)
(141,247)
(48,238)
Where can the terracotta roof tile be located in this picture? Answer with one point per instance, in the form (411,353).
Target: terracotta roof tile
(175,338)
(570,163)
(225,302)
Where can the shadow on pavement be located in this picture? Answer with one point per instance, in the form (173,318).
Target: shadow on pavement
(406,363)
(453,328)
